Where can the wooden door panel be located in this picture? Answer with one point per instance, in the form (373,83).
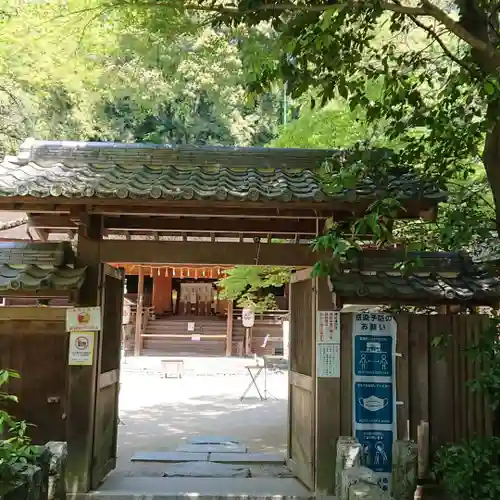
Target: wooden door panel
(301,403)
(108,379)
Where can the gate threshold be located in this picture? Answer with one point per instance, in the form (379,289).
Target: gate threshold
(171,488)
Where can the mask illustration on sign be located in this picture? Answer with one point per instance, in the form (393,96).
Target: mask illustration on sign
(373,403)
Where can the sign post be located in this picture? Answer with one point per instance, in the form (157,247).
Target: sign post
(374,390)
(248,320)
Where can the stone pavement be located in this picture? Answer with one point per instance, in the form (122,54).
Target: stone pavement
(125,487)
(171,420)
(193,365)
(159,415)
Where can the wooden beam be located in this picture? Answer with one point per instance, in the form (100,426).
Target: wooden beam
(138,318)
(339,209)
(42,234)
(53,221)
(82,380)
(79,217)
(202,225)
(205,253)
(217,225)
(193,208)
(130,225)
(38,294)
(229,328)
(31,313)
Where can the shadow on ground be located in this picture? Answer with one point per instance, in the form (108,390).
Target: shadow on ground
(261,425)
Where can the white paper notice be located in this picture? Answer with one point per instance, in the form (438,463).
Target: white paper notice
(328,360)
(328,327)
(81,348)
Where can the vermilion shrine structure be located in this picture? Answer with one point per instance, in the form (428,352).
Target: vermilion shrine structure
(220,206)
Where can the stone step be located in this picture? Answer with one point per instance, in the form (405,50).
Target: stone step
(168,456)
(128,488)
(247,458)
(212,448)
(213,440)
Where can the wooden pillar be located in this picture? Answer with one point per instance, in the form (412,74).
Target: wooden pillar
(156,296)
(162,294)
(229,328)
(82,379)
(138,318)
(167,294)
(328,407)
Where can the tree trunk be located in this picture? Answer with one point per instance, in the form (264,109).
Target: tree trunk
(491,160)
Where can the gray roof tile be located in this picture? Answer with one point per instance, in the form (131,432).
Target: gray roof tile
(439,277)
(112,170)
(34,278)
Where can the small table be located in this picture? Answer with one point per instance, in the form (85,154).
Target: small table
(258,370)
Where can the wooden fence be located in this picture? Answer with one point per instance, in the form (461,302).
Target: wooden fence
(34,342)
(431,382)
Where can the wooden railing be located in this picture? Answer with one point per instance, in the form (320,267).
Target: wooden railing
(275,316)
(148,312)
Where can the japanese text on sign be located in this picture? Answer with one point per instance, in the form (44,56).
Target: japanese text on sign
(374,390)
(328,326)
(80,319)
(81,348)
(372,322)
(328,360)
(328,344)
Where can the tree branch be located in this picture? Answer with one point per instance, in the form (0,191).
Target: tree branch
(457,29)
(440,42)
(291,7)
(427,9)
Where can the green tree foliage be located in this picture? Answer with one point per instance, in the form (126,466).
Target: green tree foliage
(249,286)
(86,71)
(466,220)
(436,64)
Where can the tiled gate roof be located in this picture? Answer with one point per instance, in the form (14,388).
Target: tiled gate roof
(122,171)
(438,277)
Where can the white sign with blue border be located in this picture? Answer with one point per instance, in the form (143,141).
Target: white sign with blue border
(374,390)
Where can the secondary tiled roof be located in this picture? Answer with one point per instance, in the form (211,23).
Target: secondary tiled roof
(13,225)
(112,170)
(438,277)
(32,278)
(36,253)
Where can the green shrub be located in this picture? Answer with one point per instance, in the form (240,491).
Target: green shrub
(470,470)
(15,445)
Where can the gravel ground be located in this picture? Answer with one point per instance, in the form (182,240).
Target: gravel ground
(160,414)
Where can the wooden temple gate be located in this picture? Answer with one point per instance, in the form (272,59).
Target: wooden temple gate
(209,206)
